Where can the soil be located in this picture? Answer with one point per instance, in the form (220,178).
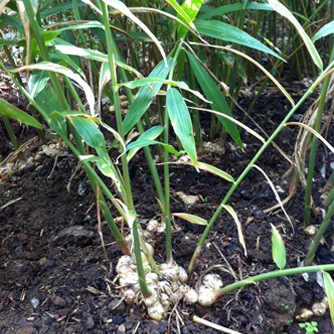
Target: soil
(51,252)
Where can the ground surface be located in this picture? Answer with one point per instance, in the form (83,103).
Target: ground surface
(51,251)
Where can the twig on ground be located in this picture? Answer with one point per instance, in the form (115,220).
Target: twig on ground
(207,323)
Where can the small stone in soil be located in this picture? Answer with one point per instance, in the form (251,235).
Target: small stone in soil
(118,319)
(59,301)
(119,309)
(246,194)
(121,329)
(90,322)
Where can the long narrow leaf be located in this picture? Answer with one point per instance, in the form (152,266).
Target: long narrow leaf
(181,122)
(8,109)
(326,30)
(212,93)
(281,9)
(48,66)
(329,286)
(228,33)
(145,97)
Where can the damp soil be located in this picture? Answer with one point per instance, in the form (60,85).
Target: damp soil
(55,277)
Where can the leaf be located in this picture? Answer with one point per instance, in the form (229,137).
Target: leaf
(48,66)
(146,142)
(281,9)
(278,249)
(235,7)
(150,134)
(230,210)
(149,80)
(103,166)
(216,171)
(212,93)
(8,109)
(191,218)
(181,122)
(145,97)
(326,30)
(191,7)
(228,33)
(180,11)
(37,82)
(48,101)
(329,286)
(125,10)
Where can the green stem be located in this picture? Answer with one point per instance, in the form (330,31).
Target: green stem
(245,172)
(315,243)
(309,182)
(273,274)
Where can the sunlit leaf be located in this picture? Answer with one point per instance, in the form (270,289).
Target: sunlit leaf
(281,9)
(8,109)
(149,80)
(278,249)
(48,66)
(191,218)
(181,122)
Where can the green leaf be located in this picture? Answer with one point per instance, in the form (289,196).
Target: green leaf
(278,249)
(216,171)
(48,101)
(145,97)
(9,110)
(213,93)
(146,142)
(191,7)
(181,122)
(125,10)
(235,7)
(150,134)
(103,166)
(49,66)
(326,30)
(229,60)
(281,9)
(329,286)
(228,33)
(149,80)
(37,82)
(181,13)
(191,218)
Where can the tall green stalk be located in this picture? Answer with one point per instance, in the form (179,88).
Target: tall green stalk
(309,182)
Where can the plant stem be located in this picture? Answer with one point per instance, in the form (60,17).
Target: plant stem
(309,182)
(273,274)
(245,172)
(315,243)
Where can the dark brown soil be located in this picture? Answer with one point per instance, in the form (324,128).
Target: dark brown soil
(51,250)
